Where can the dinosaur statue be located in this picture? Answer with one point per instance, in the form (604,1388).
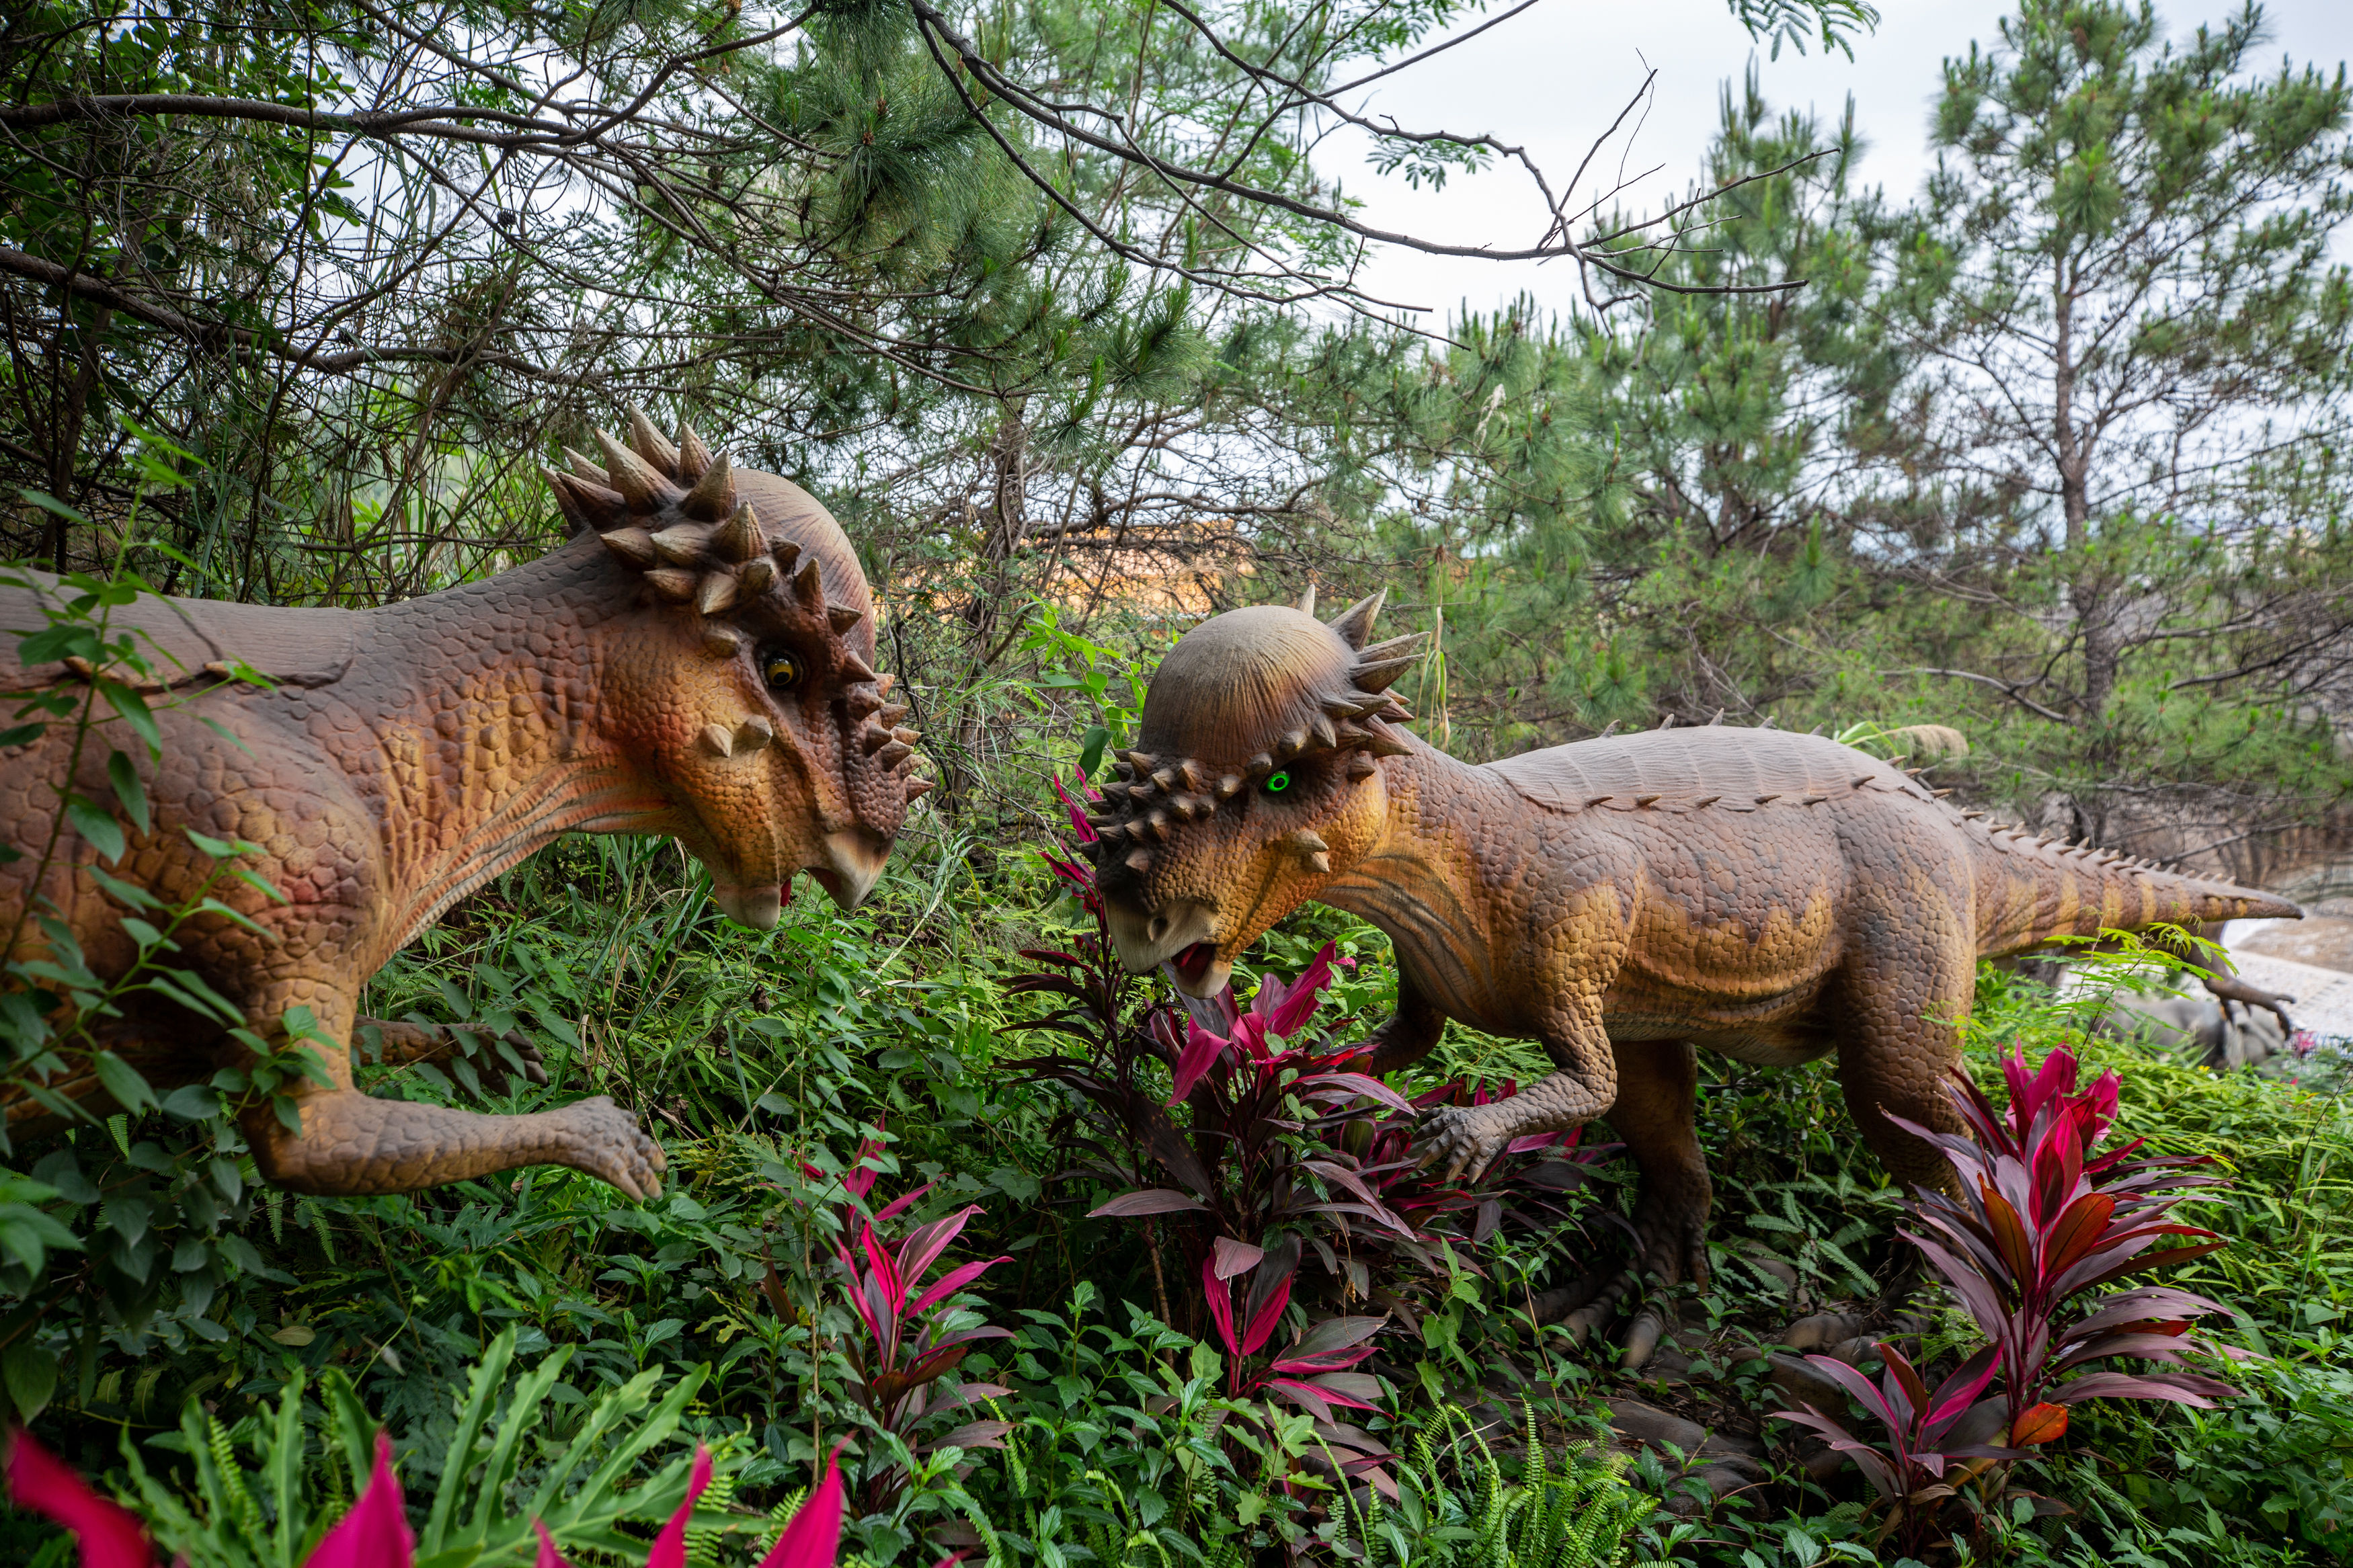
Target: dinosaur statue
(697,662)
(1771,896)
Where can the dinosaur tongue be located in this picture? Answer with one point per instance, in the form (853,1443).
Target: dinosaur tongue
(1195,961)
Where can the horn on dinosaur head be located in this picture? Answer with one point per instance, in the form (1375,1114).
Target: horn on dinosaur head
(713,539)
(1243,694)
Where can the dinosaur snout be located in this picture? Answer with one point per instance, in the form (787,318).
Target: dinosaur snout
(1181,935)
(853,864)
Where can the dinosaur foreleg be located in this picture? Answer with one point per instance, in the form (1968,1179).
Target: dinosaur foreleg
(402,1044)
(1411,1032)
(1465,1139)
(352,1144)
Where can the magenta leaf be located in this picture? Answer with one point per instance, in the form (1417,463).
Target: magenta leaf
(1221,1304)
(40,1483)
(549,1557)
(1268,1317)
(1150,1200)
(813,1535)
(1296,1004)
(375,1534)
(2180,1387)
(953,1281)
(1202,1050)
(1228,1258)
(670,1546)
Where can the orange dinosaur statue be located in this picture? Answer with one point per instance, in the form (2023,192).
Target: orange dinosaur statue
(696,662)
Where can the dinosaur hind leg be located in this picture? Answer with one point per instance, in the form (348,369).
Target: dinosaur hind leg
(1655,1117)
(1899,1041)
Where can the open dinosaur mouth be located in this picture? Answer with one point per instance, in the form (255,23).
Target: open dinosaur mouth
(1195,961)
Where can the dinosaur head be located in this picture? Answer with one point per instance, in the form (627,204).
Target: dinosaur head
(1253,784)
(742,686)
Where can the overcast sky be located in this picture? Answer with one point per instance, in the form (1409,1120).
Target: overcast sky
(1553,78)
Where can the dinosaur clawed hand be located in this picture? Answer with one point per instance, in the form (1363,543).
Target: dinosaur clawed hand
(1461,1142)
(607,1142)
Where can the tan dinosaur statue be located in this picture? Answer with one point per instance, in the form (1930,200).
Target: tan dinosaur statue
(1770,895)
(697,662)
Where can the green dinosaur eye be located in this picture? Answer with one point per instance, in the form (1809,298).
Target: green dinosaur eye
(1276,784)
(782,671)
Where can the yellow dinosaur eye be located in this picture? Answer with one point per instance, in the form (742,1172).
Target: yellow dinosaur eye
(782,671)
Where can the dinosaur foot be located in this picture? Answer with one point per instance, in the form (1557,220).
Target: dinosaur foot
(1585,1306)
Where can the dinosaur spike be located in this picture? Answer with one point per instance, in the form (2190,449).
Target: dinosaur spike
(756,575)
(693,457)
(1138,860)
(1394,648)
(1704,801)
(1599,800)
(809,587)
(633,547)
(1261,762)
(1768,799)
(681,543)
(841,618)
(739,539)
(641,486)
(873,738)
(1607,730)
(753,733)
(1166,778)
(854,667)
(673,583)
(787,553)
(586,470)
(583,503)
(1361,766)
(717,593)
(884,682)
(1190,772)
(651,444)
(891,713)
(1294,741)
(1643,800)
(722,642)
(1971,814)
(861,703)
(1228,785)
(918,786)
(1321,727)
(1861,780)
(713,496)
(1668,723)
(891,755)
(1140,763)
(1307,601)
(1355,622)
(1384,744)
(1718,719)
(716,740)
(1183,807)
(1378,675)
(1320,864)
(910,737)
(1768,723)
(1815,799)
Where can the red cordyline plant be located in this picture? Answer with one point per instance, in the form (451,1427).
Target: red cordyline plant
(909,1345)
(2039,1222)
(376,1533)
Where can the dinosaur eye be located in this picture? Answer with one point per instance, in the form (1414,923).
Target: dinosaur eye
(1276,782)
(782,671)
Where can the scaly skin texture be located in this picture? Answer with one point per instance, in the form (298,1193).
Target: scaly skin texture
(1623,903)
(413,751)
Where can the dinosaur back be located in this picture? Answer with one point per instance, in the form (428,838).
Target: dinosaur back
(178,638)
(1719,766)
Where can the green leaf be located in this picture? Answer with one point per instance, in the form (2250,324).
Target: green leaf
(31,1374)
(135,712)
(50,503)
(21,735)
(124,778)
(101,831)
(123,1082)
(1090,750)
(193,1102)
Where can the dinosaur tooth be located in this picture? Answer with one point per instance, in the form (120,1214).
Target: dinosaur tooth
(641,486)
(757,575)
(841,618)
(891,755)
(717,593)
(672,582)
(1356,622)
(633,546)
(753,733)
(713,496)
(681,543)
(717,741)
(649,443)
(693,457)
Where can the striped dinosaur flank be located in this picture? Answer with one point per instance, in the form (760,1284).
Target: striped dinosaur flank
(1624,901)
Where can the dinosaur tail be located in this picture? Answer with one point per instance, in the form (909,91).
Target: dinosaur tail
(2031,890)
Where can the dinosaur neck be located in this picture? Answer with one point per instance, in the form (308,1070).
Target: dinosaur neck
(480,734)
(1421,881)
